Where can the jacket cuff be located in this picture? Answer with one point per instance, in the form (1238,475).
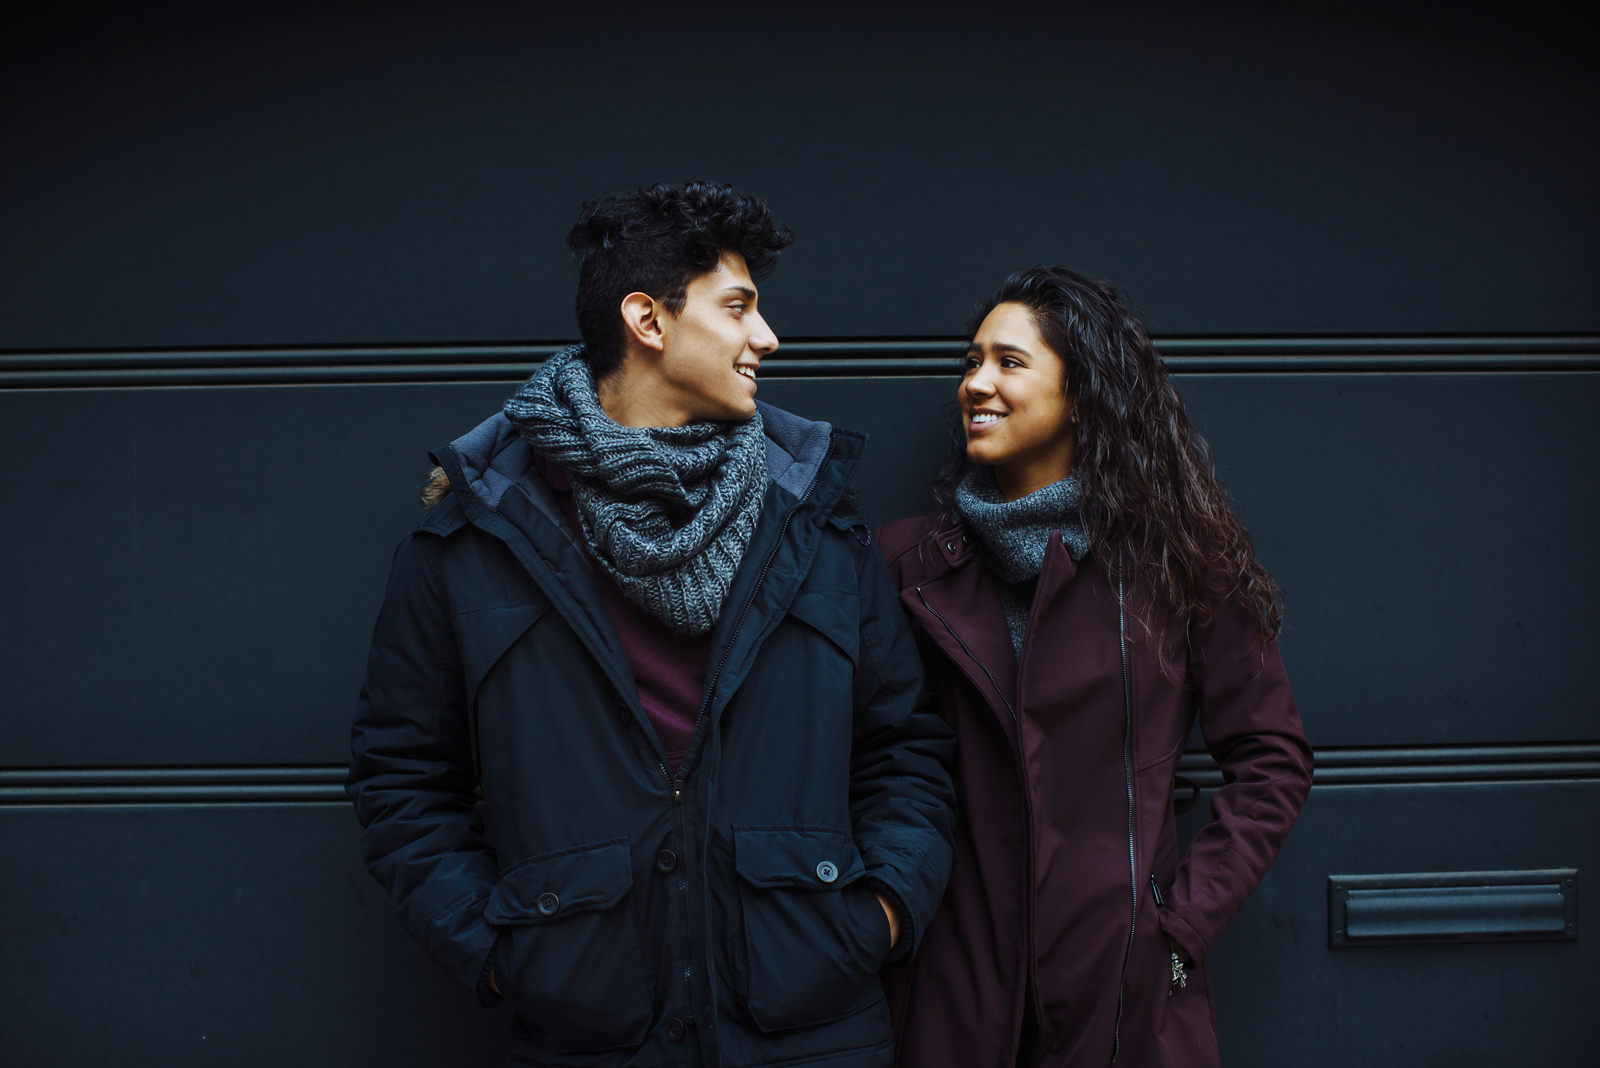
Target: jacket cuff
(902,948)
(487,997)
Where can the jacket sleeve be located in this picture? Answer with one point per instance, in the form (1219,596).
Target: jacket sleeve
(902,803)
(412,778)
(1253,731)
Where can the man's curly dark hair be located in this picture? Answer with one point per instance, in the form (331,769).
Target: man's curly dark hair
(657,241)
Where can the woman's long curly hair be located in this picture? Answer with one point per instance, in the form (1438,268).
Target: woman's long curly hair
(1150,488)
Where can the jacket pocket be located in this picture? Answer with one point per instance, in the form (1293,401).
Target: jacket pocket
(575,968)
(484,634)
(814,934)
(826,615)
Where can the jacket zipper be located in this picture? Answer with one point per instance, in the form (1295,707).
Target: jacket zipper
(965,649)
(677,783)
(1127,772)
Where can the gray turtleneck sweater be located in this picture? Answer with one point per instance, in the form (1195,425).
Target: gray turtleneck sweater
(1013,535)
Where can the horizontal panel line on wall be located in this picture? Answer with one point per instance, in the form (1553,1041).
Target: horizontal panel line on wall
(1353,766)
(51,786)
(797,359)
(325,782)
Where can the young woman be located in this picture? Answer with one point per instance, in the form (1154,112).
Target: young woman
(1084,593)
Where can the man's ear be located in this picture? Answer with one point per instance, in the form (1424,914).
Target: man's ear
(641,320)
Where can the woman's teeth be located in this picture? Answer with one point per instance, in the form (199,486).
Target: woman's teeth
(986,417)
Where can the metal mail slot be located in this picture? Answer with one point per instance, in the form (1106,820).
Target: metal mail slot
(1462,906)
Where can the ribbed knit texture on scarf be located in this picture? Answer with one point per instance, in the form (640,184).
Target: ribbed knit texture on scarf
(1012,536)
(668,511)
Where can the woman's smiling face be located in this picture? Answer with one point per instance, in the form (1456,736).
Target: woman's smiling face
(1015,408)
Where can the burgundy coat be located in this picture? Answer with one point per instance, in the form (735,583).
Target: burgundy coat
(1064,778)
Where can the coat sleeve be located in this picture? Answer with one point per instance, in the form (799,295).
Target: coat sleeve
(412,774)
(902,803)
(1253,730)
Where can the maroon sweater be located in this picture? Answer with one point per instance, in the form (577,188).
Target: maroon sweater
(669,669)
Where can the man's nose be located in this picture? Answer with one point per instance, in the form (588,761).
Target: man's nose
(763,342)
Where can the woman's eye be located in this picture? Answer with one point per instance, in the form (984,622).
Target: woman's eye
(1009,361)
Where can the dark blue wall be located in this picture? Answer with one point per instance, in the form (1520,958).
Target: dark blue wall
(195,543)
(323,173)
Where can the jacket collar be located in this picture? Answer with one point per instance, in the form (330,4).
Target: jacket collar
(780,555)
(954,597)
(951,594)
(499,489)
(492,457)
(810,465)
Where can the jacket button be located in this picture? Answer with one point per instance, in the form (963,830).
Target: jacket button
(548,903)
(666,860)
(827,871)
(950,546)
(675,1030)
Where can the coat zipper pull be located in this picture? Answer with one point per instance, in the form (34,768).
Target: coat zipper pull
(677,791)
(1180,976)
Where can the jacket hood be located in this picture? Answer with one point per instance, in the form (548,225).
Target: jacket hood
(492,456)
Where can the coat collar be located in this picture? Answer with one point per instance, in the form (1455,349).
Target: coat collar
(778,559)
(499,489)
(953,595)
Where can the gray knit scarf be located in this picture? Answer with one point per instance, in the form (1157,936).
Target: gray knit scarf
(1012,536)
(668,511)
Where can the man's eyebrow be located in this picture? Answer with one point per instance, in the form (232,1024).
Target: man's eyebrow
(744,291)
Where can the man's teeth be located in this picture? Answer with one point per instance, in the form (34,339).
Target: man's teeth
(748,372)
(986,417)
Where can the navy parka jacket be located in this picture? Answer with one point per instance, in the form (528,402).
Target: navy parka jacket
(519,809)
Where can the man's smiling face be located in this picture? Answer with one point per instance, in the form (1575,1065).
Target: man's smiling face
(712,349)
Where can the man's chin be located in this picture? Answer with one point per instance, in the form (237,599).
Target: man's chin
(741,410)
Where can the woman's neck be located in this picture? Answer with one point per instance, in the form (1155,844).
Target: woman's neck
(1017,480)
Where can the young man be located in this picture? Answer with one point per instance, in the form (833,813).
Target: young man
(643,746)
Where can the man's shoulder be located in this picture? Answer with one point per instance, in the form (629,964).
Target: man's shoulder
(444,518)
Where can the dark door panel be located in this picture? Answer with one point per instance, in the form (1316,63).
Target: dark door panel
(1280,987)
(233,935)
(201,567)
(209,560)
(356,174)
(1436,538)
(198,568)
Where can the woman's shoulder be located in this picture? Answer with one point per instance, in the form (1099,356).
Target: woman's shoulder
(895,537)
(899,539)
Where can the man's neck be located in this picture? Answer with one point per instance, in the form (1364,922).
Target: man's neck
(632,396)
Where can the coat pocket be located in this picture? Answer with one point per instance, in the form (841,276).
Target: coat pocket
(575,972)
(484,634)
(814,934)
(829,616)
